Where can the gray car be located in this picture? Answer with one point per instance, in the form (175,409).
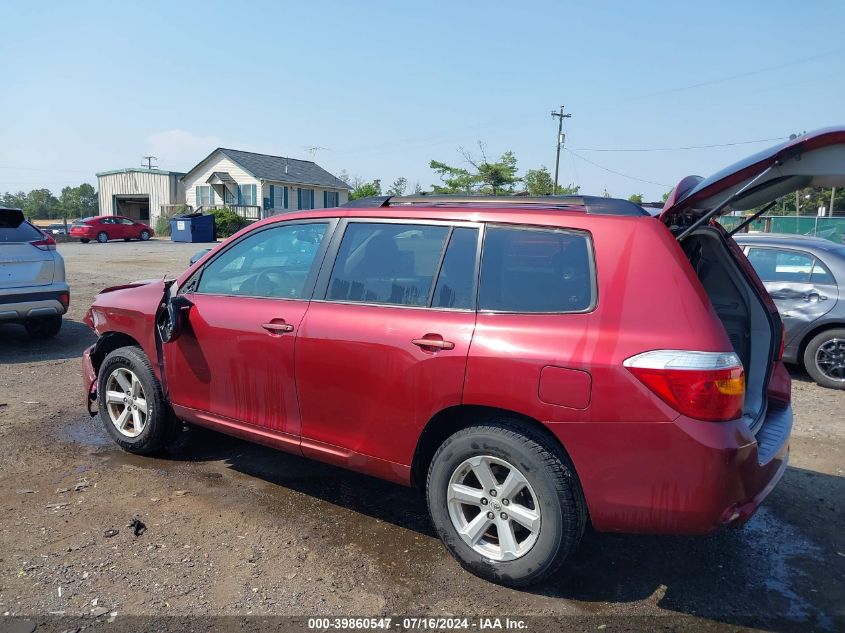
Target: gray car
(806,278)
(33,290)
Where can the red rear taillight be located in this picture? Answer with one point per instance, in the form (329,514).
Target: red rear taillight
(703,385)
(64,299)
(782,343)
(46,244)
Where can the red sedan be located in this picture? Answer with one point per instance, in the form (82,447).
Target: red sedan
(110,227)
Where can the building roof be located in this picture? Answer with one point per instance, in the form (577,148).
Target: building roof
(144,170)
(280,168)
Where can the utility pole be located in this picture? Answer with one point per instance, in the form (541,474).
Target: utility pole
(561,116)
(149,160)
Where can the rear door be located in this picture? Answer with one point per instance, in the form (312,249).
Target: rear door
(801,286)
(385,346)
(21,263)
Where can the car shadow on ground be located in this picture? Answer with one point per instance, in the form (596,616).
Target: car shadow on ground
(771,570)
(17,347)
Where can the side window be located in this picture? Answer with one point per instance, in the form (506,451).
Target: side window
(387,263)
(125,221)
(821,275)
(273,263)
(456,281)
(535,270)
(785,266)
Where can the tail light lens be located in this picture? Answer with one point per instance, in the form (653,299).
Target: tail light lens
(782,343)
(703,385)
(64,299)
(46,244)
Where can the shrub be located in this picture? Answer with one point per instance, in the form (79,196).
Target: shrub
(227,222)
(162,227)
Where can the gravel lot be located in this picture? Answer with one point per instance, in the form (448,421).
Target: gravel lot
(234,528)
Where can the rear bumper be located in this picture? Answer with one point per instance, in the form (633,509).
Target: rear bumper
(20,304)
(683,477)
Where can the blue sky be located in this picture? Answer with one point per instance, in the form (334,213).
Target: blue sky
(385,87)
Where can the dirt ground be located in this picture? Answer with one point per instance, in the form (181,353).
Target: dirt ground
(236,529)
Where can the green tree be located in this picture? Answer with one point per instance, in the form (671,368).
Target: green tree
(78,202)
(41,204)
(485,177)
(365,189)
(398,187)
(636,198)
(667,194)
(15,200)
(538,182)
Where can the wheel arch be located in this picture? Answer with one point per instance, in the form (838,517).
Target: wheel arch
(107,343)
(453,419)
(811,334)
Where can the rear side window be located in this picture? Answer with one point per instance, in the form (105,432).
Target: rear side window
(788,266)
(24,232)
(536,270)
(390,264)
(456,282)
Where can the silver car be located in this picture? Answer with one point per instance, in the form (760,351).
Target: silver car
(33,290)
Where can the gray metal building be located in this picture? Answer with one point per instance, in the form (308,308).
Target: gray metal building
(139,193)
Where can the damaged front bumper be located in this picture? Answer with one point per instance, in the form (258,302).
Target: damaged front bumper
(89,381)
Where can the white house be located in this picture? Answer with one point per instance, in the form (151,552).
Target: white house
(259,185)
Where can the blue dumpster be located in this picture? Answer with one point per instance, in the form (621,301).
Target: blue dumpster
(193,227)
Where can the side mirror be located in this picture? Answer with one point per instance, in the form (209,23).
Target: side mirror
(173,318)
(198,256)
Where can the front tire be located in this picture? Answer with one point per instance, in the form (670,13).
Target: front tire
(43,327)
(102,237)
(131,404)
(824,358)
(145,235)
(506,502)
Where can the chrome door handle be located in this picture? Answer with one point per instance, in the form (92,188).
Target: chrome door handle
(433,342)
(277,328)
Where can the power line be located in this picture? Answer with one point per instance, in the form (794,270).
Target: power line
(672,149)
(149,160)
(613,171)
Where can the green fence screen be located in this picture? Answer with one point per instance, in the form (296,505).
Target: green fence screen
(829,228)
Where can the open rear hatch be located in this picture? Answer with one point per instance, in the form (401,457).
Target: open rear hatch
(750,318)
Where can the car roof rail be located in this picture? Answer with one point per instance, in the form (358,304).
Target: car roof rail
(596,205)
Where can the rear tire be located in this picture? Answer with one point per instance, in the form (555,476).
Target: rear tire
(131,403)
(102,237)
(545,515)
(43,327)
(145,235)
(824,358)
(84,240)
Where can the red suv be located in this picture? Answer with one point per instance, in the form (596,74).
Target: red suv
(110,227)
(531,364)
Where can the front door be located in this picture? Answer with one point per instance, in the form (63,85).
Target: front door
(235,360)
(385,347)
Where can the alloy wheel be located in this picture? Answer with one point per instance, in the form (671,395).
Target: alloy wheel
(126,402)
(830,359)
(493,508)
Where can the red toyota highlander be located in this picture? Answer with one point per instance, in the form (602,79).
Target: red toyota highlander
(530,364)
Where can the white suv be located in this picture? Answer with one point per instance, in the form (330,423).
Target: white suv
(33,290)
